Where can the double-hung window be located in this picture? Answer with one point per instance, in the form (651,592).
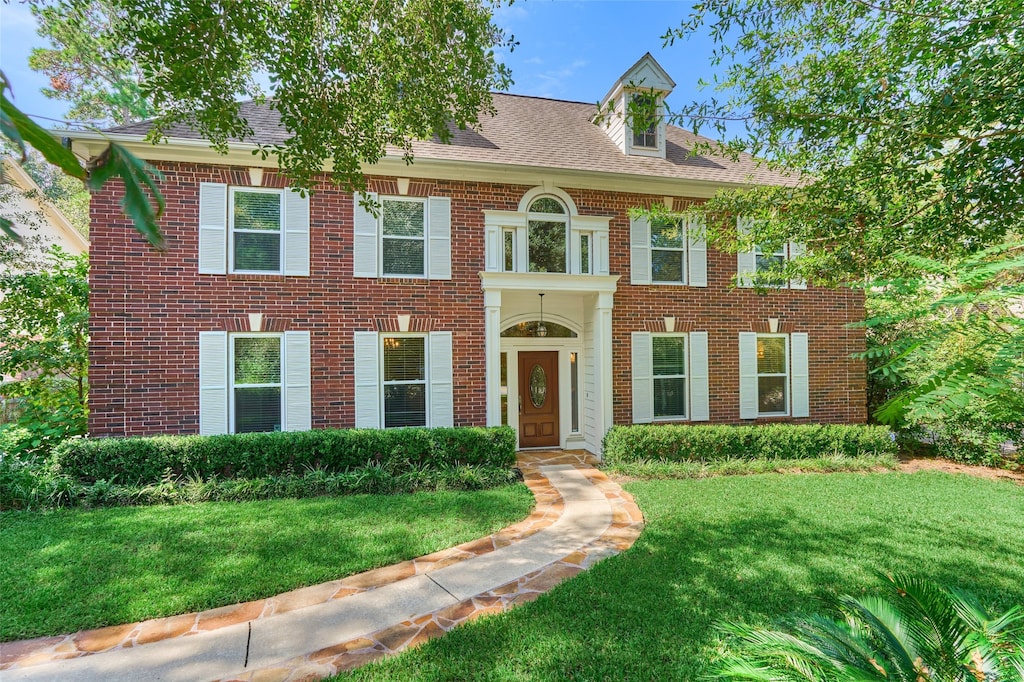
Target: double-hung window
(255,218)
(256,383)
(668,251)
(669,376)
(252,231)
(403,237)
(645,122)
(772,375)
(405,381)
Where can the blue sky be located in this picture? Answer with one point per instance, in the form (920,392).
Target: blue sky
(568,49)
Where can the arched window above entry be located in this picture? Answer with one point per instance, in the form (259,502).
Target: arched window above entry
(529,329)
(547,236)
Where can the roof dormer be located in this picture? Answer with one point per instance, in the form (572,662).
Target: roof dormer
(638,130)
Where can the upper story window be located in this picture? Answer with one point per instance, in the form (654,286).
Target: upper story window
(255,230)
(403,239)
(757,265)
(401,236)
(668,251)
(252,230)
(645,121)
(547,235)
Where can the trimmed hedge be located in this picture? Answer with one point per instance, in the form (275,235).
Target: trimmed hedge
(679,443)
(140,461)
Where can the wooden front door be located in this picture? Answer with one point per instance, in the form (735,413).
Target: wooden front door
(538,399)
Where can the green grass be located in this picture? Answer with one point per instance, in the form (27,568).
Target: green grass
(754,548)
(652,468)
(68,570)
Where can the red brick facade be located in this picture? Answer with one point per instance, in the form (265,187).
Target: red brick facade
(147,309)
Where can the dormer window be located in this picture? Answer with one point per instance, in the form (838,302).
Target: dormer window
(645,111)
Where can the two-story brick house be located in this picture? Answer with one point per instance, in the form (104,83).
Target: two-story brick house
(502,281)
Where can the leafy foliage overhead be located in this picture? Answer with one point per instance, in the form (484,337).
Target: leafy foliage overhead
(347,78)
(904,117)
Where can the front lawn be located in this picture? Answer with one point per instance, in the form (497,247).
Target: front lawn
(757,549)
(68,570)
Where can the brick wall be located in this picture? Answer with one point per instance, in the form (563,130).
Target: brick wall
(148,308)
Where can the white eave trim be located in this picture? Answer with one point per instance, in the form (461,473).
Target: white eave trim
(89,144)
(549,282)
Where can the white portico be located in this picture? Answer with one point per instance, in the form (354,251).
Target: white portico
(552,382)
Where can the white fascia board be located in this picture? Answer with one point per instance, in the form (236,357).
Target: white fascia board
(88,144)
(549,282)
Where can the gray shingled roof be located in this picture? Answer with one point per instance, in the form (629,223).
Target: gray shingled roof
(538,132)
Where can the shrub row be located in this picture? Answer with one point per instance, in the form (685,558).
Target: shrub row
(25,486)
(141,461)
(679,443)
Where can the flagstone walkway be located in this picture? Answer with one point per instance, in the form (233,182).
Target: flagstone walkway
(580,518)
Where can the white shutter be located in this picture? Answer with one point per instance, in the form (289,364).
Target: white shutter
(643,379)
(296,234)
(700,396)
(748,375)
(298,409)
(639,251)
(798,370)
(495,247)
(442,412)
(213,383)
(364,238)
(439,250)
(697,253)
(746,261)
(796,250)
(213,228)
(367,380)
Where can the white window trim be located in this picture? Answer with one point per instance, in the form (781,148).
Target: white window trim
(424,238)
(232,190)
(425,382)
(685,376)
(785,375)
(231,374)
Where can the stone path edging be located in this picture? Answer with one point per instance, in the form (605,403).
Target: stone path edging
(17,659)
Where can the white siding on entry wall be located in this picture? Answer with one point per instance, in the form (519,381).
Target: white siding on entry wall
(213,228)
(367,380)
(442,411)
(213,383)
(588,378)
(643,379)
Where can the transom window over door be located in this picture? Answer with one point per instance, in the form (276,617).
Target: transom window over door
(547,235)
(404,243)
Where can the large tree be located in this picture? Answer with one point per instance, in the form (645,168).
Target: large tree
(904,122)
(347,79)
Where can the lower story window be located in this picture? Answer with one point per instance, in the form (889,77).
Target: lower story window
(405,381)
(669,365)
(256,383)
(772,375)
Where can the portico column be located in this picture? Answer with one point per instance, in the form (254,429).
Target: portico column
(492,353)
(603,346)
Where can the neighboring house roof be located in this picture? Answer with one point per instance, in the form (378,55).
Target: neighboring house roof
(536,132)
(56,228)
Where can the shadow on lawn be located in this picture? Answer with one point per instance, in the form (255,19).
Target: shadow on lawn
(742,549)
